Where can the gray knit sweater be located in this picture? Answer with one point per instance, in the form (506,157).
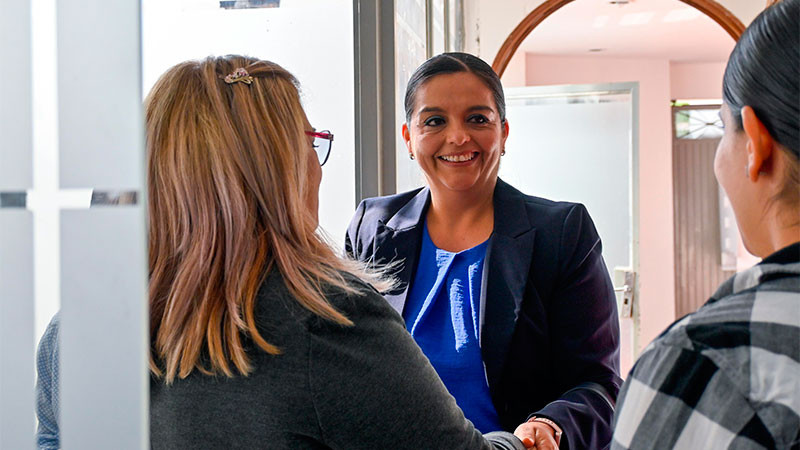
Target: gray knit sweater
(362,387)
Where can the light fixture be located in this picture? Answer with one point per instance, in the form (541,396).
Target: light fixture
(634,19)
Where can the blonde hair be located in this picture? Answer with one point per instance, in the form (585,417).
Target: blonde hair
(227,167)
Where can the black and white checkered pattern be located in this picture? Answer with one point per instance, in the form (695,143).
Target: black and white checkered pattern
(726,376)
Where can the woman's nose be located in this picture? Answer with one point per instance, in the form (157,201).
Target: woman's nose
(457,135)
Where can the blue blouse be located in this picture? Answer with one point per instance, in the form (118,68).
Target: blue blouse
(442,313)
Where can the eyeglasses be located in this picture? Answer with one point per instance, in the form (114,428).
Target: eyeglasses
(322,144)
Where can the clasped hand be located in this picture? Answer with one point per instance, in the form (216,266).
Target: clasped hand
(537,435)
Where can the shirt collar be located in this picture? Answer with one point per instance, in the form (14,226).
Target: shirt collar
(786,255)
(784,262)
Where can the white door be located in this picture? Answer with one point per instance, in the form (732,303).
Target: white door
(94,249)
(578,143)
(16,229)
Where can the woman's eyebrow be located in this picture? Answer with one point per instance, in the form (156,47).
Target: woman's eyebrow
(428,109)
(480,108)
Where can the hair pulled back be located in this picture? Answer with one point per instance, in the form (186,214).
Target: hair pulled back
(453,63)
(763,73)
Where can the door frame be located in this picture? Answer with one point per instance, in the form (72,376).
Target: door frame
(718,13)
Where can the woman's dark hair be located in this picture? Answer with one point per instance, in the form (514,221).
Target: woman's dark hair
(453,63)
(762,73)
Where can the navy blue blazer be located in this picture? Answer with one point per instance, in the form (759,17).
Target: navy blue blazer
(550,333)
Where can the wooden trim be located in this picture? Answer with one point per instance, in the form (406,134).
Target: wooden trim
(719,14)
(514,40)
(711,8)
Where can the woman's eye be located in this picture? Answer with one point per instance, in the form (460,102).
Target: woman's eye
(478,118)
(434,121)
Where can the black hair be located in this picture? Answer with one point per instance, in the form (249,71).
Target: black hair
(453,63)
(763,72)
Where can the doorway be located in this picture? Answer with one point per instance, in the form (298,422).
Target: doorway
(651,42)
(597,167)
(726,19)
(703,258)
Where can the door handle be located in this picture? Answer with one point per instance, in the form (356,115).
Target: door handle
(626,291)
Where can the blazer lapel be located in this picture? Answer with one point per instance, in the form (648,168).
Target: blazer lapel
(509,259)
(398,240)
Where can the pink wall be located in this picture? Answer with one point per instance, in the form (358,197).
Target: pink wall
(656,243)
(514,75)
(696,80)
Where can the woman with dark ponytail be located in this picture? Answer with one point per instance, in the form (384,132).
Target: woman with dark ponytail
(728,375)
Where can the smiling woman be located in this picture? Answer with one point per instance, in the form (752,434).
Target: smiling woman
(457,136)
(490,278)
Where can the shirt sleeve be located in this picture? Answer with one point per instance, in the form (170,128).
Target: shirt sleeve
(677,397)
(373,387)
(47,397)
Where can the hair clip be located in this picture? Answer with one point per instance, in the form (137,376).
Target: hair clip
(239,75)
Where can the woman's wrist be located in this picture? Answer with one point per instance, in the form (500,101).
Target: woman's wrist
(557,432)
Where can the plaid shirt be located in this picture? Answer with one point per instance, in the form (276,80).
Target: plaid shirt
(47,398)
(726,376)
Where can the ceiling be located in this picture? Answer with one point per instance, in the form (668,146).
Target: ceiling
(658,29)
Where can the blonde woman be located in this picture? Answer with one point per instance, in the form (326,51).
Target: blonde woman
(262,337)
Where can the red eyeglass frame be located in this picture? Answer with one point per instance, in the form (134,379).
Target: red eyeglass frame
(325,134)
(321,134)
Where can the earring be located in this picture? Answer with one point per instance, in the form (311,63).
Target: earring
(503,152)
(411,156)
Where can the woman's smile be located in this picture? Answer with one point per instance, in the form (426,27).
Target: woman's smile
(456,133)
(459,158)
